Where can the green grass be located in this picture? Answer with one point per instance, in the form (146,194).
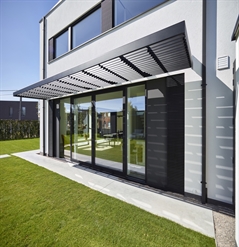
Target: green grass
(41,208)
(14,146)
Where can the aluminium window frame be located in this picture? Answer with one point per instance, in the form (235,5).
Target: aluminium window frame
(136,16)
(69,29)
(84,16)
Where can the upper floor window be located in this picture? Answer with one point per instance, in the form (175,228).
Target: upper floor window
(61,44)
(10,111)
(24,111)
(87,28)
(125,9)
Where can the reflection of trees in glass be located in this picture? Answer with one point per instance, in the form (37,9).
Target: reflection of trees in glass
(137,119)
(83,117)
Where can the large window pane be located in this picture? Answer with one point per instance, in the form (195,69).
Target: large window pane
(86,29)
(136,132)
(81,138)
(127,9)
(61,44)
(109,130)
(65,127)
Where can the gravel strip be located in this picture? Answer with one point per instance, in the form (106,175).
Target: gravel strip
(224,230)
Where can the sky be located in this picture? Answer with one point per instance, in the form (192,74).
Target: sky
(19,44)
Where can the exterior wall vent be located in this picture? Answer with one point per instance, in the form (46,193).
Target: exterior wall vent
(223,63)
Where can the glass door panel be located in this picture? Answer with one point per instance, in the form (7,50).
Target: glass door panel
(65,145)
(136,132)
(81,136)
(109,130)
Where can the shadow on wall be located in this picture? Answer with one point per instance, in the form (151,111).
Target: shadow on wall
(219,138)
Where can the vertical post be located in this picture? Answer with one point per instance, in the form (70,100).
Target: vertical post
(204,84)
(43,77)
(93,129)
(20,109)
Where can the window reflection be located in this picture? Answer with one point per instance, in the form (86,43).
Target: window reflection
(81,138)
(61,44)
(23,111)
(125,9)
(65,144)
(136,131)
(87,28)
(109,130)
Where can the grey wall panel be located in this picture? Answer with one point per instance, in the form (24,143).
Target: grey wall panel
(107,15)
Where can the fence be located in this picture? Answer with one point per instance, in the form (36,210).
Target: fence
(19,129)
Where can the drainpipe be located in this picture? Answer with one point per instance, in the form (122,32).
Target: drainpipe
(43,77)
(204,85)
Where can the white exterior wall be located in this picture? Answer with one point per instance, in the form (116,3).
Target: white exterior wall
(219,164)
(237,140)
(221,18)
(41,77)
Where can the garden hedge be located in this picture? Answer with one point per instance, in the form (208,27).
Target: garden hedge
(19,129)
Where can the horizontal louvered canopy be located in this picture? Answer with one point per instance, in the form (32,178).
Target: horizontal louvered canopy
(164,51)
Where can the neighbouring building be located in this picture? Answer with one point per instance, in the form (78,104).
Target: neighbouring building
(143,90)
(19,110)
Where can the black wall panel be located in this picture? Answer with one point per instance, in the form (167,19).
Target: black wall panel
(165,137)
(176,138)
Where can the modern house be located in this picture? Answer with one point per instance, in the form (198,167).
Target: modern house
(18,110)
(235,38)
(143,90)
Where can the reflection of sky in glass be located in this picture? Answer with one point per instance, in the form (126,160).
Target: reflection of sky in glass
(138,102)
(81,31)
(61,44)
(67,107)
(112,105)
(126,9)
(85,106)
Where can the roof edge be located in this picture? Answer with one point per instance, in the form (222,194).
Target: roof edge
(161,35)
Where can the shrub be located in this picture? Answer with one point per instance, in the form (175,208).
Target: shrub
(19,129)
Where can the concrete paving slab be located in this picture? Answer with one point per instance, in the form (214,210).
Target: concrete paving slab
(186,214)
(4,156)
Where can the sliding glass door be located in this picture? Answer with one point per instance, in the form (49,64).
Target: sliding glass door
(81,131)
(136,132)
(109,130)
(65,128)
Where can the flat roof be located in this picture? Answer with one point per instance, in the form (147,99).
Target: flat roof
(164,51)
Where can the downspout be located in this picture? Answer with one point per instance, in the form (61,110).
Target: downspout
(43,77)
(204,103)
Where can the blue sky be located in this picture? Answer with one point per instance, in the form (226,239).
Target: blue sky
(19,43)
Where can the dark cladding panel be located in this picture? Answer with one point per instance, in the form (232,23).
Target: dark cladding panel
(107,15)
(157,133)
(165,133)
(176,134)
(50,49)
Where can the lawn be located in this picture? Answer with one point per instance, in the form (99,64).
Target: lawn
(41,208)
(14,146)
